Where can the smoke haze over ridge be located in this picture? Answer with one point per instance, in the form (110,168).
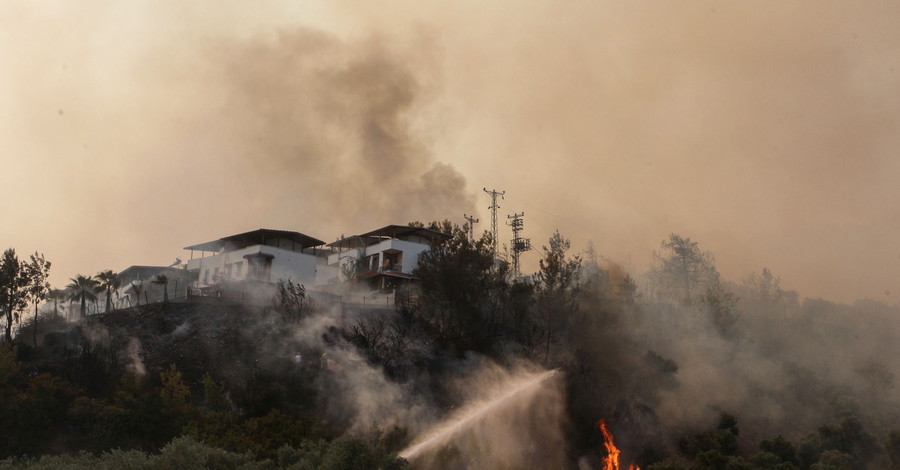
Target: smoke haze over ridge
(765,131)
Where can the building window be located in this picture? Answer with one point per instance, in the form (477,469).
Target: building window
(238,267)
(392,262)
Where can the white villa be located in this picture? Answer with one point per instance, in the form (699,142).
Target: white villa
(138,281)
(259,255)
(384,259)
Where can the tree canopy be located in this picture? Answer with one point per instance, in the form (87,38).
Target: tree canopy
(109,281)
(14,289)
(683,269)
(83,289)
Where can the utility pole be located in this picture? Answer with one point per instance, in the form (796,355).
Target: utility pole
(519,244)
(472,221)
(494,206)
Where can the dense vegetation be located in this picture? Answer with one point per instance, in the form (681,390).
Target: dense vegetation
(690,370)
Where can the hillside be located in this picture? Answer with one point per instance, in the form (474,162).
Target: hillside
(702,375)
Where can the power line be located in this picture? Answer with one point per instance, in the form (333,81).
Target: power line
(519,244)
(493,207)
(471,226)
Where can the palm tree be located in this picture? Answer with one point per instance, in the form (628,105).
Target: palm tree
(109,281)
(70,293)
(138,287)
(56,295)
(164,280)
(83,288)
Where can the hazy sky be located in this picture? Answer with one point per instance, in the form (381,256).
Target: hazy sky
(768,131)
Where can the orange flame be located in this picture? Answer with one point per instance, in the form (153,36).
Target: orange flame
(611,461)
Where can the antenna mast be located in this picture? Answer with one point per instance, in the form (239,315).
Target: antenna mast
(472,221)
(494,206)
(519,244)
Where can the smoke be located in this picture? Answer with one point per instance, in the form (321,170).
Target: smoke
(323,127)
(130,355)
(510,415)
(217,131)
(355,393)
(609,120)
(660,369)
(785,368)
(507,417)
(765,128)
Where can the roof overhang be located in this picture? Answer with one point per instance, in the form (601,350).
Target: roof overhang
(402,231)
(256,237)
(354,241)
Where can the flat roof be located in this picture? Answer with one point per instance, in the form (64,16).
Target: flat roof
(353,241)
(142,270)
(389,231)
(256,237)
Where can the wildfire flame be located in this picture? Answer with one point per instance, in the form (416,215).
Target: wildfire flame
(611,461)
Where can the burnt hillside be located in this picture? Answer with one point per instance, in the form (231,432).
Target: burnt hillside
(249,349)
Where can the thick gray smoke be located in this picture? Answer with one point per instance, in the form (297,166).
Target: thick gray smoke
(313,133)
(510,415)
(356,393)
(322,129)
(218,132)
(764,125)
(784,367)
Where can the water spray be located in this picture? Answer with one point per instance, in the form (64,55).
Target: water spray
(470,414)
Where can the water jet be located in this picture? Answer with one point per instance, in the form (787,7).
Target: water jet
(470,414)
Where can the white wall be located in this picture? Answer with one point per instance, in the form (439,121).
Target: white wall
(410,258)
(411,251)
(299,267)
(343,257)
(327,275)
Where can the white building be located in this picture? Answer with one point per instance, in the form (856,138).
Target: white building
(243,265)
(140,281)
(260,255)
(383,258)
